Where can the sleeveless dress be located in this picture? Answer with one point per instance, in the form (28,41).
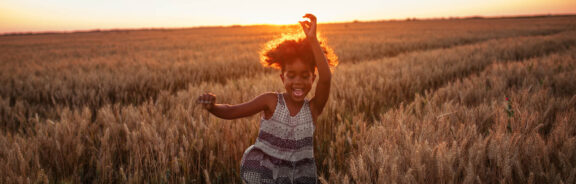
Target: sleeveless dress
(283,152)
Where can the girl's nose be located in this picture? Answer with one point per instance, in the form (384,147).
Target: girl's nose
(299,80)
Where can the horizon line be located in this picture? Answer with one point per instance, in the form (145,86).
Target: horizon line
(23,33)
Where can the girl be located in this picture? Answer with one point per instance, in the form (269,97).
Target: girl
(284,152)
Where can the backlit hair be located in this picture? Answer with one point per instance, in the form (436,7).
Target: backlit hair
(289,47)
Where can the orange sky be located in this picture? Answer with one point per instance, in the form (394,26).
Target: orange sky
(67,15)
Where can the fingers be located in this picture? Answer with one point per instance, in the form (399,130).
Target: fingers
(310,16)
(305,25)
(206,98)
(308,25)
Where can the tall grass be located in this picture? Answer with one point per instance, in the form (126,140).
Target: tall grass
(462,133)
(418,104)
(45,73)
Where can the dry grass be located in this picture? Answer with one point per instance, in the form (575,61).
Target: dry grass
(467,136)
(412,102)
(46,73)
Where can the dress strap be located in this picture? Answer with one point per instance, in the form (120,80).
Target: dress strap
(281,99)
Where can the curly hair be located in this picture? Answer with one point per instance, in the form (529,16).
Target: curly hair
(279,52)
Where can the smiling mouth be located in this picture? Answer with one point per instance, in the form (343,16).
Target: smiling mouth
(297,92)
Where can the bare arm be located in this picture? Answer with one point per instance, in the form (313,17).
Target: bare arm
(225,111)
(324,75)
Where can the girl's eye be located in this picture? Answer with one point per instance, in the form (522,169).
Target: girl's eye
(305,76)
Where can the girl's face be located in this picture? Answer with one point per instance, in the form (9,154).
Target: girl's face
(297,78)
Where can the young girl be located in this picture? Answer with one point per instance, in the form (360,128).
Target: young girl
(284,152)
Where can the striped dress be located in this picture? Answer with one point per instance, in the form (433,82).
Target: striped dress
(283,152)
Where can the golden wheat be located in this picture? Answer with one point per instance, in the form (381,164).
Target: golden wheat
(412,102)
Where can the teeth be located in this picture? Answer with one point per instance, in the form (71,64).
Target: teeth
(297,92)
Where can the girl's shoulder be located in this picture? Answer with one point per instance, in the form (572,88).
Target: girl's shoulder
(270,98)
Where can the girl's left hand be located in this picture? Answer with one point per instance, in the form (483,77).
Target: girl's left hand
(207,100)
(309,27)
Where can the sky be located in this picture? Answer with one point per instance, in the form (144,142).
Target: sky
(70,15)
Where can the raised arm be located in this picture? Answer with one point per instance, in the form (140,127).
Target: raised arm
(225,111)
(324,75)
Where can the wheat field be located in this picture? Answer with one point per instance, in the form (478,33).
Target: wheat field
(429,101)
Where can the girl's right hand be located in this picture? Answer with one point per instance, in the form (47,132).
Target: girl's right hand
(309,26)
(207,100)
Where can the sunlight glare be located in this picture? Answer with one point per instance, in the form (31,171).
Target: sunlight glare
(32,15)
